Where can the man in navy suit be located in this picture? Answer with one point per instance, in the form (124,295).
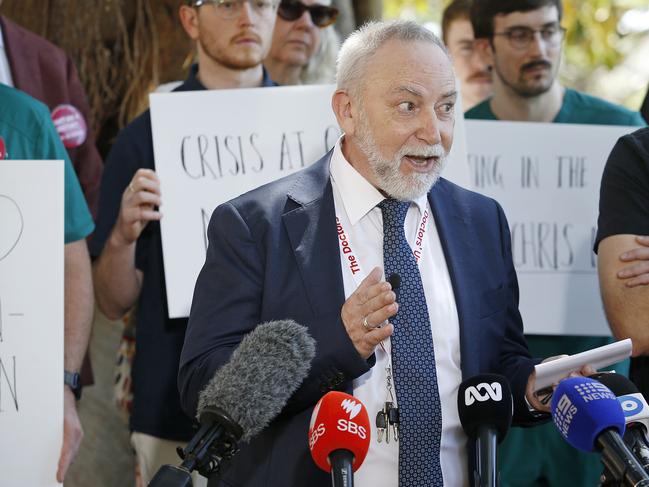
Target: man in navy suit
(310,247)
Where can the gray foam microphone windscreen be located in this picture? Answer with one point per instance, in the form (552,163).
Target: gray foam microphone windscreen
(263,372)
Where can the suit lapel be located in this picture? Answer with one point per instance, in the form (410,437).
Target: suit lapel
(453,223)
(23,60)
(311,228)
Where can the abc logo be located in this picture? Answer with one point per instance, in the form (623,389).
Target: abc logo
(483,392)
(630,405)
(351,427)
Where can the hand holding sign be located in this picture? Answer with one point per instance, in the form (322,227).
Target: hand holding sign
(72,435)
(138,206)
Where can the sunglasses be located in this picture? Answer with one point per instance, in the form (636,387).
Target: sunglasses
(321,15)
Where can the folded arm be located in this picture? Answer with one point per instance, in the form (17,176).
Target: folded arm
(626,303)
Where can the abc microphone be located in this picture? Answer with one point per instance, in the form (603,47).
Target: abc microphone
(339,436)
(636,413)
(485,405)
(243,397)
(590,418)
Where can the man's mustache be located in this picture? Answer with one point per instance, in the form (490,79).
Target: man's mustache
(536,64)
(480,76)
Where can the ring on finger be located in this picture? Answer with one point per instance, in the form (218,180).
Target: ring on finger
(366,325)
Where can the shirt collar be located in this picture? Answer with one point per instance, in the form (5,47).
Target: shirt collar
(358,195)
(193,84)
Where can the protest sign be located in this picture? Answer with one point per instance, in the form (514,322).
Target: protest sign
(31,321)
(547,178)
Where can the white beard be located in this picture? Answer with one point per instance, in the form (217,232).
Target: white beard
(390,179)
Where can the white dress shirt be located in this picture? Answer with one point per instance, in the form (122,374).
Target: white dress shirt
(355,202)
(5,70)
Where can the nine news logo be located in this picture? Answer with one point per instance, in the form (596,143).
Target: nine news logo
(563,414)
(594,391)
(483,392)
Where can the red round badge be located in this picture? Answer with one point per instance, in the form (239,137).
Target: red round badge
(70,125)
(3,149)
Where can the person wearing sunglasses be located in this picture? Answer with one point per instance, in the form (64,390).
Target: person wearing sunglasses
(304,44)
(522,41)
(232,38)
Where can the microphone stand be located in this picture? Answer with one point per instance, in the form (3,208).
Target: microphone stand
(342,473)
(209,451)
(486,472)
(620,465)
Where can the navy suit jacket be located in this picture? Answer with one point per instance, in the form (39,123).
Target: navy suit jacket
(273,254)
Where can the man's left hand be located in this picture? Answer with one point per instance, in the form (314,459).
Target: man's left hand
(72,434)
(541,402)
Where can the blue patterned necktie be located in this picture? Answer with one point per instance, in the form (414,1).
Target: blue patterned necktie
(413,359)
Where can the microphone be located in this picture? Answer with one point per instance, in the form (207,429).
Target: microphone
(395,281)
(243,397)
(486,406)
(339,436)
(590,418)
(636,413)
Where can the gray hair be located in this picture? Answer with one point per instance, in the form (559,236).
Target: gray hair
(362,44)
(321,68)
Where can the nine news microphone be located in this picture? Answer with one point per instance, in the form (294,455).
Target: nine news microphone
(242,398)
(636,413)
(339,436)
(590,418)
(485,405)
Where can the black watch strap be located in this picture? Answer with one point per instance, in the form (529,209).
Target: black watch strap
(73,381)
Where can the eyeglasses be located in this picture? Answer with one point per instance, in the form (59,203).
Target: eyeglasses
(231,9)
(522,37)
(321,15)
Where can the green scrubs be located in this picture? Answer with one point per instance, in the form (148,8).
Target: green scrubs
(539,456)
(27,132)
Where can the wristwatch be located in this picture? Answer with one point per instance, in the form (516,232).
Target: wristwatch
(73,381)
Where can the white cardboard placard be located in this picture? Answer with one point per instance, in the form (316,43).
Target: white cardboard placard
(547,178)
(211,146)
(31,321)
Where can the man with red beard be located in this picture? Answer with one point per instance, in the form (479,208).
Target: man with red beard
(232,39)
(521,40)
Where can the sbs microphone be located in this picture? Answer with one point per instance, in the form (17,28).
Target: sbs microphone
(636,413)
(243,397)
(339,436)
(590,418)
(486,406)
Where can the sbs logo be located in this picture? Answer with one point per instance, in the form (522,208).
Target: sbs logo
(483,392)
(351,407)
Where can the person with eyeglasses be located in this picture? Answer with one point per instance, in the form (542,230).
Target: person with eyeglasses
(522,41)
(305,43)
(470,68)
(232,38)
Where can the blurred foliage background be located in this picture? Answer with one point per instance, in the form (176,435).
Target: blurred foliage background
(606,50)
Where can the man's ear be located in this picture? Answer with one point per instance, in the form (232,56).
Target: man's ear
(345,111)
(189,20)
(485,50)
